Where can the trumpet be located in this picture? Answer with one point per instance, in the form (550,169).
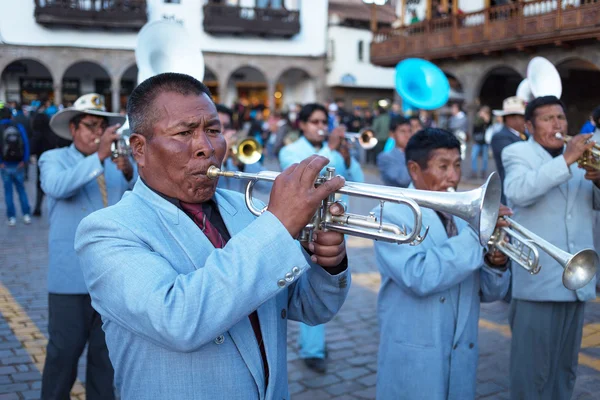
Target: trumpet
(590,158)
(120,147)
(479,207)
(247,150)
(365,138)
(579,269)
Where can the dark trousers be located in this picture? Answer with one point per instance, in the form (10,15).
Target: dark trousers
(39,194)
(546,338)
(72,323)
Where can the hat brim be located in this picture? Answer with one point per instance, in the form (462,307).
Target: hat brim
(501,113)
(60,121)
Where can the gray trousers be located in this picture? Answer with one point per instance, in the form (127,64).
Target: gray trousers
(546,338)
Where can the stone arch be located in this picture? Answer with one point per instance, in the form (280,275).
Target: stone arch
(294,85)
(580,78)
(497,82)
(82,77)
(25,80)
(127,82)
(456,87)
(249,85)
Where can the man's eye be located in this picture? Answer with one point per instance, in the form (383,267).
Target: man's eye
(185,133)
(443,167)
(214,131)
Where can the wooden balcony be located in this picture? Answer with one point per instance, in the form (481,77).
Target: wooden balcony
(221,19)
(511,27)
(94,14)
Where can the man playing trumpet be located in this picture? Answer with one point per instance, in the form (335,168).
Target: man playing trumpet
(78,180)
(429,299)
(555,199)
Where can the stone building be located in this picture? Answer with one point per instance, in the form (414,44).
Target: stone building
(255,51)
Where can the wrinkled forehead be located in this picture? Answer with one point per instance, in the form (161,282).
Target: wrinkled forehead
(444,155)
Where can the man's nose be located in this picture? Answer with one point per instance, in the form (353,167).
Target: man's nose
(201,145)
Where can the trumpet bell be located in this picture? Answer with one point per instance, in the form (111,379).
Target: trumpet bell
(580,269)
(248,151)
(365,138)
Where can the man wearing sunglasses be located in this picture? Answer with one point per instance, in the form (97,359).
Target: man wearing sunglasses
(78,180)
(314,139)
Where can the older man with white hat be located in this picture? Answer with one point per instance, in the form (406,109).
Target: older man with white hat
(78,180)
(513,115)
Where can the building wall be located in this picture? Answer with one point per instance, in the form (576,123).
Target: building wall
(344,63)
(18,27)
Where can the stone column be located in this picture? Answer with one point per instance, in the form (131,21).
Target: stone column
(271,94)
(57,93)
(116,95)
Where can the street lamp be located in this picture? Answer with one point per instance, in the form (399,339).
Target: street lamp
(374,4)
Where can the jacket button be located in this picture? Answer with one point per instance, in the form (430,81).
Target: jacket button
(289,277)
(220,339)
(471,345)
(442,299)
(283,313)
(281,283)
(296,270)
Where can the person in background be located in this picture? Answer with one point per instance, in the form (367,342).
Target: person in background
(392,164)
(78,180)
(315,139)
(480,147)
(415,124)
(381,128)
(589,126)
(14,158)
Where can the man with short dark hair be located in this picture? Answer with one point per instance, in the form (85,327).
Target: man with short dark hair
(428,303)
(392,164)
(78,180)
(195,291)
(554,199)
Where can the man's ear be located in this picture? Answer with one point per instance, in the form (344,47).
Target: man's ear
(529,127)
(414,169)
(137,143)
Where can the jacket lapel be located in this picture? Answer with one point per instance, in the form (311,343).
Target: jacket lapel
(465,294)
(544,157)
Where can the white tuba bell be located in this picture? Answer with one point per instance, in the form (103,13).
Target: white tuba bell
(165,46)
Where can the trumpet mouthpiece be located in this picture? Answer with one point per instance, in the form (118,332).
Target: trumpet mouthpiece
(321,132)
(559,135)
(213,172)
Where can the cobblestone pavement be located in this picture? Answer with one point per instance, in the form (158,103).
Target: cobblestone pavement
(352,336)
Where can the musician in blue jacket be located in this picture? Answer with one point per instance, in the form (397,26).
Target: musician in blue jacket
(315,139)
(78,180)
(428,304)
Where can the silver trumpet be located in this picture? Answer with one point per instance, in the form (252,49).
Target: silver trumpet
(579,269)
(365,138)
(479,207)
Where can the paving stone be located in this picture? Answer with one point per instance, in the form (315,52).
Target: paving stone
(320,381)
(352,373)
(343,388)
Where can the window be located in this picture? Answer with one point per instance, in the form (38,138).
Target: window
(360,50)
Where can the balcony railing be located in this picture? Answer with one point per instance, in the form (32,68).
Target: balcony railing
(514,26)
(103,14)
(222,19)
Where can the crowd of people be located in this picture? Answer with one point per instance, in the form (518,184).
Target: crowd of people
(179,291)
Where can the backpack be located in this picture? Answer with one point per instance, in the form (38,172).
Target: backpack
(13,148)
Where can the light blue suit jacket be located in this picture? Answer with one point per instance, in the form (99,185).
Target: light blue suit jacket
(175,310)
(556,203)
(69,180)
(392,167)
(428,309)
(301,149)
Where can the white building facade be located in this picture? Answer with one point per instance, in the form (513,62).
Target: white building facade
(49,50)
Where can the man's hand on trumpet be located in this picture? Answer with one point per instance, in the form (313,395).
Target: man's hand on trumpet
(106,141)
(576,146)
(494,257)
(337,138)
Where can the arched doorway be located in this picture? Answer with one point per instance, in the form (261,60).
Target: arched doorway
(294,86)
(24,81)
(580,90)
(85,77)
(128,83)
(499,83)
(248,86)
(212,82)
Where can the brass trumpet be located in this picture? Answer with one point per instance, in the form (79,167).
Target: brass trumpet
(590,158)
(579,269)
(479,207)
(247,150)
(365,138)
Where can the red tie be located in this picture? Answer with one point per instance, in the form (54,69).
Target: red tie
(195,212)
